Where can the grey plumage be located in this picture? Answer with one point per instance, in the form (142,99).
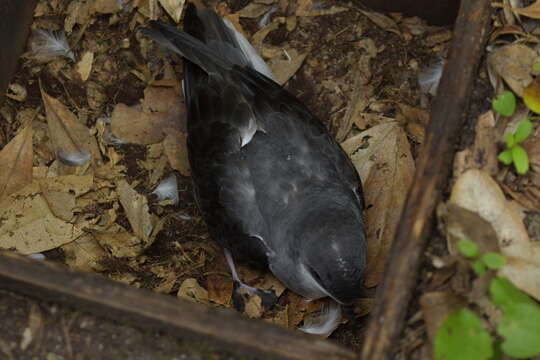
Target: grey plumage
(273,186)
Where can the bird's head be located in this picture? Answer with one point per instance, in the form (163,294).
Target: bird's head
(333,253)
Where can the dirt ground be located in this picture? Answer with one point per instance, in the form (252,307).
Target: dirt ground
(45,331)
(344,50)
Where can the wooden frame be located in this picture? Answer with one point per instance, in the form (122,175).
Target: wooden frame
(227,328)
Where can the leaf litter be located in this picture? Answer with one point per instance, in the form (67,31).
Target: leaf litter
(110,126)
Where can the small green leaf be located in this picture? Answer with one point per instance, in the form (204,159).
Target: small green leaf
(505,103)
(510,140)
(520,325)
(524,129)
(506,157)
(462,337)
(521,159)
(468,248)
(493,260)
(479,268)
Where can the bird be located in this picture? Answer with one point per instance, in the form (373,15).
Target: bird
(272,184)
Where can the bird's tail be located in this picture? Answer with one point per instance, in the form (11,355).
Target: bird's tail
(211,43)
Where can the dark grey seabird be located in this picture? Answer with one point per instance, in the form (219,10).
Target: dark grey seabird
(272,184)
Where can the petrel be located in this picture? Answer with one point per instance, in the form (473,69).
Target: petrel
(272,184)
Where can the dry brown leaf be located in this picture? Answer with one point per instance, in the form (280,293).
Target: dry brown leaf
(531,11)
(253,10)
(175,147)
(383,159)
(305,8)
(174,8)
(270,283)
(135,126)
(192,291)
(280,318)
(436,306)
(363,91)
(84,254)
(476,191)
(78,12)
(166,286)
(220,289)
(258,38)
(119,243)
(28,224)
(16,163)
(253,307)
(136,207)
(68,136)
(84,66)
(382,21)
(459,223)
(482,154)
(283,70)
(514,63)
(163,109)
(106,6)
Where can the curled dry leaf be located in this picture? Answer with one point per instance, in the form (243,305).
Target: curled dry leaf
(532,11)
(482,154)
(136,207)
(514,63)
(16,163)
(476,191)
(382,157)
(68,136)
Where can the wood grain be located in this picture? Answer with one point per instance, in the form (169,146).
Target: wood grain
(143,308)
(432,174)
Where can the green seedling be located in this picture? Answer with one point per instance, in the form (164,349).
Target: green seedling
(514,152)
(505,103)
(463,335)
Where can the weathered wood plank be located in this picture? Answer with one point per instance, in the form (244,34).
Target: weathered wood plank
(433,170)
(16,17)
(144,308)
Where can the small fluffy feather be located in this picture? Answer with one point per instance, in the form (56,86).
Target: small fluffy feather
(429,77)
(36,256)
(75,158)
(48,44)
(167,189)
(328,320)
